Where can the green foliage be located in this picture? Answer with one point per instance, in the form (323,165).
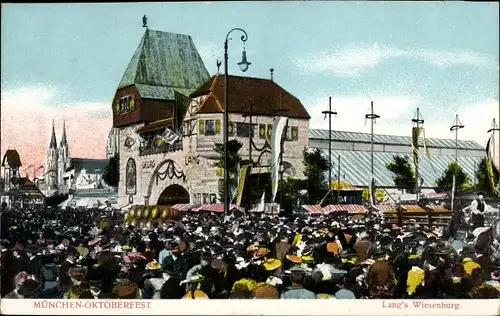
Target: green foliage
(380,195)
(111,174)
(487,176)
(234,159)
(445,182)
(404,176)
(316,166)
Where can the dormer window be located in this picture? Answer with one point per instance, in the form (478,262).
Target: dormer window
(125,104)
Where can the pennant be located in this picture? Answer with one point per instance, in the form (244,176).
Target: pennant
(279,126)
(426,145)
(241,183)
(260,208)
(415,136)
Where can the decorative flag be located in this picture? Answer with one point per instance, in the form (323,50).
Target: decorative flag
(276,140)
(426,145)
(260,208)
(492,150)
(168,136)
(415,136)
(241,183)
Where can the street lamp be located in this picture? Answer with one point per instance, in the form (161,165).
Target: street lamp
(244,64)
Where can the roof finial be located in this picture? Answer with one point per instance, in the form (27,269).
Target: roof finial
(145,21)
(219,63)
(272,71)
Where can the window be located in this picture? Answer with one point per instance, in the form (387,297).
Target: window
(288,135)
(206,199)
(201,127)
(230,129)
(217,126)
(295,133)
(126,104)
(244,130)
(269,131)
(262,131)
(209,127)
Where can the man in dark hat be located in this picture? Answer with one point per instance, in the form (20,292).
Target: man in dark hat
(297,290)
(71,255)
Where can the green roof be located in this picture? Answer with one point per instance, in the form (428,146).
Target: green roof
(164,62)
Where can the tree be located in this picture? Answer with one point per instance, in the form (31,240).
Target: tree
(404,176)
(234,159)
(111,174)
(316,166)
(487,176)
(445,182)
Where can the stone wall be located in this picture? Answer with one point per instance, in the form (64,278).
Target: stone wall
(196,161)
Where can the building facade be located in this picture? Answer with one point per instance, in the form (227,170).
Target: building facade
(10,174)
(182,169)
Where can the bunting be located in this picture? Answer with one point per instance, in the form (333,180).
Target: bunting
(279,126)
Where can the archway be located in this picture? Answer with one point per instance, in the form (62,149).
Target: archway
(173,194)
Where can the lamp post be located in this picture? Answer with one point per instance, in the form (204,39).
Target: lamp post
(372,117)
(495,128)
(244,64)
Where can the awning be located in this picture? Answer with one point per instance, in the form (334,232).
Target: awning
(184,207)
(313,209)
(349,208)
(82,203)
(384,207)
(217,208)
(156,126)
(412,208)
(437,208)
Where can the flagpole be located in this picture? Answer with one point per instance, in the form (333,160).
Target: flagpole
(372,117)
(329,113)
(419,122)
(454,128)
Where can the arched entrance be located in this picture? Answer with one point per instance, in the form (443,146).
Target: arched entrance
(173,194)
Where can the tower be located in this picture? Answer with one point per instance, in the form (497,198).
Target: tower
(51,174)
(63,157)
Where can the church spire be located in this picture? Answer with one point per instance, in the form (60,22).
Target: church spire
(53,141)
(64,141)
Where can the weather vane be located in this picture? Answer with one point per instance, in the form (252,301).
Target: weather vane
(145,21)
(219,63)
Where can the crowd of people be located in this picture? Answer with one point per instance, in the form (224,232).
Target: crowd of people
(65,254)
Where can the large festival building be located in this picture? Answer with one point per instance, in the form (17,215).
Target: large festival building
(168,117)
(167,120)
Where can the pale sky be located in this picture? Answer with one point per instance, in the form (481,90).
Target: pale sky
(64,61)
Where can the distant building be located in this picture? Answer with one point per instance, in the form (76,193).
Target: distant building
(113,145)
(16,191)
(354,150)
(63,173)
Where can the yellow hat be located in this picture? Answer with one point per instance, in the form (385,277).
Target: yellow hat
(153,265)
(294,259)
(246,284)
(307,258)
(415,277)
(324,296)
(272,264)
(470,266)
(196,295)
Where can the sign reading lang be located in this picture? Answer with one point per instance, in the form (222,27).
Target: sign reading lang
(194,160)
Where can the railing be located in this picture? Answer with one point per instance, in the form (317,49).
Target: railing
(428,217)
(152,149)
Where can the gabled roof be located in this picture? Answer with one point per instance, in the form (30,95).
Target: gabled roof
(91,165)
(265,95)
(12,158)
(164,62)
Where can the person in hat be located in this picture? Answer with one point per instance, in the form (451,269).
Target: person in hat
(154,281)
(71,254)
(297,290)
(194,292)
(77,275)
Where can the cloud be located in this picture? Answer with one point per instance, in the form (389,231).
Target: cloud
(27,114)
(396,113)
(352,60)
(210,53)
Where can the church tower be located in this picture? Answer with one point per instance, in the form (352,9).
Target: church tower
(52,158)
(63,157)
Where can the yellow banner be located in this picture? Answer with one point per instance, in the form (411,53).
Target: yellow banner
(241,184)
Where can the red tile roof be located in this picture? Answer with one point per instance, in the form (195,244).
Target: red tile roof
(12,158)
(265,95)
